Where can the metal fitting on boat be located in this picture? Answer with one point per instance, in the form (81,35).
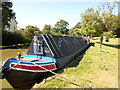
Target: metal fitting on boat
(19,55)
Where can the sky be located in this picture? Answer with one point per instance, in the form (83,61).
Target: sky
(41,12)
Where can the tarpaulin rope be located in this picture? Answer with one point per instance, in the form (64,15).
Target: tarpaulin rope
(68,80)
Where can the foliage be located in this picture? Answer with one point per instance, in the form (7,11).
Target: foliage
(11,38)
(44,31)
(98,22)
(19,36)
(78,25)
(75,32)
(7,14)
(92,23)
(109,34)
(30,31)
(61,27)
(110,20)
(47,27)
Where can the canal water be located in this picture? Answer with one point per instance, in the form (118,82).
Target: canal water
(5,54)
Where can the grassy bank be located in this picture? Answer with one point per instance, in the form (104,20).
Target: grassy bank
(94,70)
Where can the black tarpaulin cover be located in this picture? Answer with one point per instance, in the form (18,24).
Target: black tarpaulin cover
(55,46)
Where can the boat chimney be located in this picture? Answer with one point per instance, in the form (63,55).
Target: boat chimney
(19,55)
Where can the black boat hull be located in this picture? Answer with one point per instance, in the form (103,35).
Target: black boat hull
(62,62)
(23,79)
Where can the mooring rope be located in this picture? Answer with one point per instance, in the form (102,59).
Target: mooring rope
(17,63)
(68,80)
(9,68)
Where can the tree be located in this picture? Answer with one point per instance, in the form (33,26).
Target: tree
(109,19)
(78,25)
(7,14)
(30,31)
(111,23)
(97,22)
(92,23)
(12,38)
(76,30)
(61,26)
(47,27)
(100,22)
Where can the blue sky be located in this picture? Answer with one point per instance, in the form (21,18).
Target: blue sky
(38,12)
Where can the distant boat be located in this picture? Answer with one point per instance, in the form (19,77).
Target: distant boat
(46,52)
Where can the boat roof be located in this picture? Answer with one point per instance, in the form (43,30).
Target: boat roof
(59,46)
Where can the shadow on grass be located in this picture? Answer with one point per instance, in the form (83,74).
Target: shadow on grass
(76,62)
(73,63)
(95,39)
(110,45)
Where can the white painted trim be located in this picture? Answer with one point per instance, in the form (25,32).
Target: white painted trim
(48,45)
(31,70)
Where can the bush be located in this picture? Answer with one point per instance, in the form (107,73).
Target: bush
(11,38)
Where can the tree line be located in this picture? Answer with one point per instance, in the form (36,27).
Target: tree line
(21,36)
(94,22)
(99,22)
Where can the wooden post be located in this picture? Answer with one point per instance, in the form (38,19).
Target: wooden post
(101,39)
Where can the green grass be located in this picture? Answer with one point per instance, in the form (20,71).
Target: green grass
(94,70)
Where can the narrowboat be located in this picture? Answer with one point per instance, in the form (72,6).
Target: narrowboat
(46,52)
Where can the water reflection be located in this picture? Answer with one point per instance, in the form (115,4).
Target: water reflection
(8,53)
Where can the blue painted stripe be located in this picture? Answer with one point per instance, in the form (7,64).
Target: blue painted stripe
(14,60)
(41,57)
